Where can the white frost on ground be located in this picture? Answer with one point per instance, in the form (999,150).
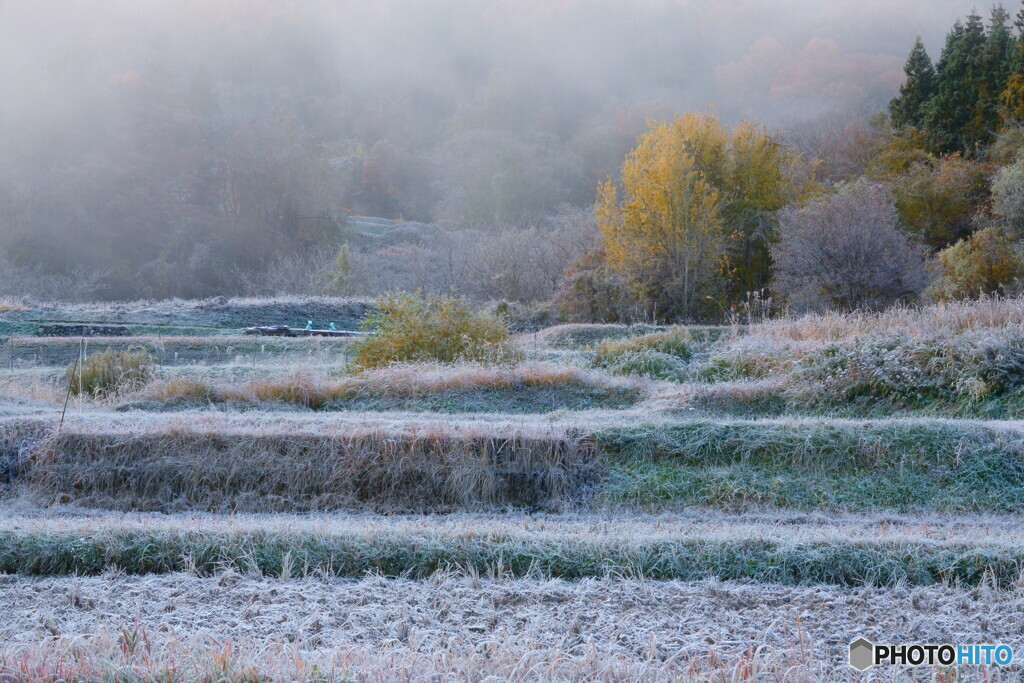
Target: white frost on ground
(663,628)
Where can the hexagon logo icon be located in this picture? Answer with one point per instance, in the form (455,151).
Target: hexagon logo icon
(862,654)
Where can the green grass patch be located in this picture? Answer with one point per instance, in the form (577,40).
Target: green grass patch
(913,465)
(665,354)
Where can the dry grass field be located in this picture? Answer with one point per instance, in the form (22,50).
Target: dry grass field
(604,503)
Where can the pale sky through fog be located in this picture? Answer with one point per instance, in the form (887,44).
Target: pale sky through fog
(137,137)
(748,57)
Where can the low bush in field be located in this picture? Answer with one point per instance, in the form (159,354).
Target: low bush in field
(408,327)
(662,355)
(108,372)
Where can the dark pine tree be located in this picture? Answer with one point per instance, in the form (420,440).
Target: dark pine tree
(909,107)
(996,69)
(959,77)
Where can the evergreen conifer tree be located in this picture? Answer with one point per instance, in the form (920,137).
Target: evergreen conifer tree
(959,78)
(996,68)
(909,107)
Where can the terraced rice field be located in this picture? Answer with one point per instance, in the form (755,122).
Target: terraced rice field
(615,504)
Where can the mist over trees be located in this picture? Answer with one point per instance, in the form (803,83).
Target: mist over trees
(190,148)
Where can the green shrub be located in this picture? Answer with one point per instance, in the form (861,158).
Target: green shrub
(106,373)
(408,327)
(663,355)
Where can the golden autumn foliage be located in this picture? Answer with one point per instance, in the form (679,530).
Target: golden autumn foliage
(666,237)
(697,213)
(985,263)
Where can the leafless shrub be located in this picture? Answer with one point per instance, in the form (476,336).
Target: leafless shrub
(81,284)
(846,251)
(290,274)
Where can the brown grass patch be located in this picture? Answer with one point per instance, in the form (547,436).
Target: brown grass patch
(411,469)
(9,304)
(400,380)
(952,317)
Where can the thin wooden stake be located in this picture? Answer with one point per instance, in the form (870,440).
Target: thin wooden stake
(71,379)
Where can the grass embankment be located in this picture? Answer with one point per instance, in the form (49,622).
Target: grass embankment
(397,470)
(971,374)
(816,464)
(538,548)
(962,360)
(285,554)
(903,465)
(529,388)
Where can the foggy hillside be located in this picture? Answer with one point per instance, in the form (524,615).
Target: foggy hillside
(158,148)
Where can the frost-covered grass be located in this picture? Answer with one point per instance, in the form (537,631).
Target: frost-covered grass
(970,374)
(665,354)
(968,364)
(946,318)
(449,627)
(567,531)
(221,463)
(833,562)
(173,351)
(852,551)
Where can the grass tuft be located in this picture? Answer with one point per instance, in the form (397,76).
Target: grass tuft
(660,355)
(109,372)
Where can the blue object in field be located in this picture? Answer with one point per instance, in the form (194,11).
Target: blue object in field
(333,327)
(309,324)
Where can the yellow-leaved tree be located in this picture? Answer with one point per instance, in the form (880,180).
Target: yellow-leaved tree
(666,237)
(698,214)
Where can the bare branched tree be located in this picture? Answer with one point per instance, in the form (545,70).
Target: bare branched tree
(846,251)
